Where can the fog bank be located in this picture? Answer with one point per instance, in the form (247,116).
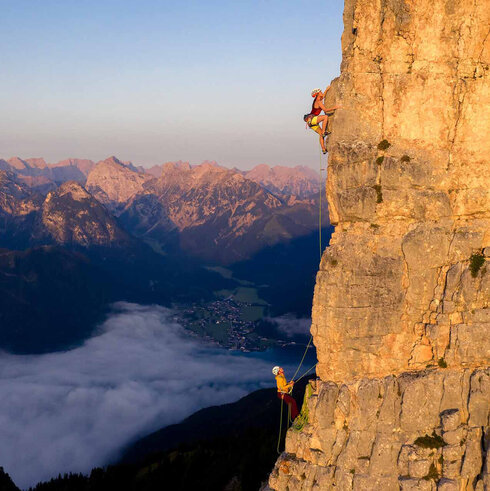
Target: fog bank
(74,410)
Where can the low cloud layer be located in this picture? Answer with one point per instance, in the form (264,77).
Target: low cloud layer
(291,326)
(74,410)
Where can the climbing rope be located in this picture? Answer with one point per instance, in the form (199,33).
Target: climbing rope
(320,244)
(302,418)
(280,428)
(307,372)
(320,206)
(302,359)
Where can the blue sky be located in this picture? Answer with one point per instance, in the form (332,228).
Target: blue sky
(152,81)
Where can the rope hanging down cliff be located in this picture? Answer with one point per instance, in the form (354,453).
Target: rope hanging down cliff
(313,120)
(303,416)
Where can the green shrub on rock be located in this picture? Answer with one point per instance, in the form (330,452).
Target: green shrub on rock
(476,262)
(384,144)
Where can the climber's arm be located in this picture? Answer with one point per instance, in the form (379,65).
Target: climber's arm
(331,109)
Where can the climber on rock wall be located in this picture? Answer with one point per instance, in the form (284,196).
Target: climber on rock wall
(313,119)
(283,390)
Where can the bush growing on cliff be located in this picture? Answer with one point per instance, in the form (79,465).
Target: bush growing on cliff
(426,441)
(476,262)
(379,160)
(384,144)
(379,194)
(405,158)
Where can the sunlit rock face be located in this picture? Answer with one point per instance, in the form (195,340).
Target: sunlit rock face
(402,293)
(114,182)
(70,215)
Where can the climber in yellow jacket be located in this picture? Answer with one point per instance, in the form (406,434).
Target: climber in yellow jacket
(283,390)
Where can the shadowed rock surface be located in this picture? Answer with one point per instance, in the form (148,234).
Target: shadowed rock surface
(400,313)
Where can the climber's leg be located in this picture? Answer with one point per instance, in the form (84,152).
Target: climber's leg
(323,119)
(291,402)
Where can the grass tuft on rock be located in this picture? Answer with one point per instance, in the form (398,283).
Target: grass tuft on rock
(432,474)
(477,260)
(379,194)
(380,159)
(442,363)
(384,144)
(426,441)
(405,158)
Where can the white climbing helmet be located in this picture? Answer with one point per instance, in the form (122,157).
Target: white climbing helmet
(275,370)
(314,92)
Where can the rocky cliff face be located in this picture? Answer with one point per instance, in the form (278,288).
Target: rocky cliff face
(68,215)
(400,312)
(71,215)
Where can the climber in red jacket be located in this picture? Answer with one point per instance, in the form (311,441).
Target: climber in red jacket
(283,390)
(313,119)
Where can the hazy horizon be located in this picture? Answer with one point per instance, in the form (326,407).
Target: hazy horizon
(161,81)
(147,166)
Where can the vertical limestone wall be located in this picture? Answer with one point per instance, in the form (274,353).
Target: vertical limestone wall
(402,294)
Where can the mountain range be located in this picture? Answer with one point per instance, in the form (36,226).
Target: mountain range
(112,231)
(212,213)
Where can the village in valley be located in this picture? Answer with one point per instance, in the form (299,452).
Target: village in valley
(227,322)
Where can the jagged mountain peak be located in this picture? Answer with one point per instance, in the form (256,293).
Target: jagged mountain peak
(113,183)
(299,181)
(209,168)
(214,212)
(71,215)
(18,163)
(112,160)
(84,165)
(74,188)
(37,162)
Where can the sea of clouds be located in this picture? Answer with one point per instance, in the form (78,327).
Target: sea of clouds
(73,410)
